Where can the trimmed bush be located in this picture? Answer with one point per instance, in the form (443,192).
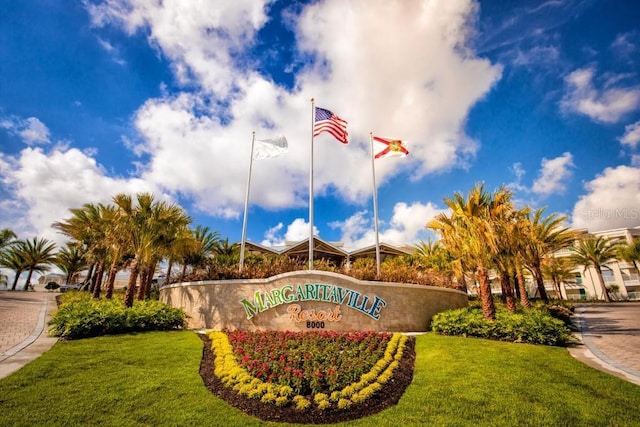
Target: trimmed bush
(534,326)
(84,317)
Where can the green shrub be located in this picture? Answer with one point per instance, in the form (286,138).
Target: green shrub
(535,326)
(81,317)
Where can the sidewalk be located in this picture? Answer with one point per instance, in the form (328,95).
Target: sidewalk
(610,338)
(23,328)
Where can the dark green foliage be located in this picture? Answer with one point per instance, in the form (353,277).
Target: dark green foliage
(84,317)
(536,326)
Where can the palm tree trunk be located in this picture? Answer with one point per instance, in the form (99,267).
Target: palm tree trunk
(131,285)
(89,273)
(144,276)
(111,279)
(556,285)
(605,291)
(15,280)
(184,272)
(147,289)
(537,273)
(524,298)
(507,291)
(97,284)
(26,285)
(169,268)
(488,308)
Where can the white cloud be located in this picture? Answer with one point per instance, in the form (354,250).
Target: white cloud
(296,231)
(31,130)
(612,200)
(47,185)
(607,105)
(407,226)
(631,135)
(423,93)
(417,82)
(553,175)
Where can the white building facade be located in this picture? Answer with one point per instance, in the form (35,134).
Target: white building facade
(620,277)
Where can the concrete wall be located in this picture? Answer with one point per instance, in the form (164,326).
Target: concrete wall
(306,300)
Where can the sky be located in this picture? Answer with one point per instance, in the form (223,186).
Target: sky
(103,97)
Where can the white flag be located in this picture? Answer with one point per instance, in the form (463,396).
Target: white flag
(269,148)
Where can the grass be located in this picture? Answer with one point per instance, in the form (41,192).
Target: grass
(152,379)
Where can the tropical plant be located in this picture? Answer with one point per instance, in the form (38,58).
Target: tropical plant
(149,226)
(596,252)
(630,252)
(39,253)
(7,238)
(203,244)
(14,259)
(559,270)
(71,260)
(542,237)
(471,233)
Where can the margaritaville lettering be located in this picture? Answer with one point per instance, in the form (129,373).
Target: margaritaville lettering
(314,292)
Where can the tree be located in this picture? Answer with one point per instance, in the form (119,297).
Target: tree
(596,253)
(559,270)
(14,259)
(542,237)
(7,238)
(434,256)
(471,233)
(39,254)
(203,245)
(71,260)
(149,226)
(630,252)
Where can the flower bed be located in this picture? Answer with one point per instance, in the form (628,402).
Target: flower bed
(308,371)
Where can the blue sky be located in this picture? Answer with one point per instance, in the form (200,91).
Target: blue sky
(101,97)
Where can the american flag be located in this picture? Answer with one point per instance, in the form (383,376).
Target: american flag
(326,121)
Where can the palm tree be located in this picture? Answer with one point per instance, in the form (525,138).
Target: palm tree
(630,252)
(471,233)
(7,238)
(149,226)
(86,226)
(543,237)
(596,253)
(559,270)
(39,253)
(204,244)
(14,259)
(71,260)
(434,256)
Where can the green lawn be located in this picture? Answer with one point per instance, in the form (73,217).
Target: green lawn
(152,379)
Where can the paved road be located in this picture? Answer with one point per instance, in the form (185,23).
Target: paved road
(610,338)
(23,327)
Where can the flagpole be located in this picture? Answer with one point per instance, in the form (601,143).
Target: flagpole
(246,203)
(313,119)
(375,205)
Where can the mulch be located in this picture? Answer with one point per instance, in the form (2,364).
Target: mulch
(388,396)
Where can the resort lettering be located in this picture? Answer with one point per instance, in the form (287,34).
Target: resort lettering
(371,306)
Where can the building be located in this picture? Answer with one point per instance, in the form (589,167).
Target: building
(331,251)
(620,277)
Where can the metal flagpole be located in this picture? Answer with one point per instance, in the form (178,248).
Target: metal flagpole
(313,120)
(375,204)
(246,203)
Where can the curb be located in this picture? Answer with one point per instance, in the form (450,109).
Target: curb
(588,353)
(33,346)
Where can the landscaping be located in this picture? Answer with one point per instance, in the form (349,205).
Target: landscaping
(153,379)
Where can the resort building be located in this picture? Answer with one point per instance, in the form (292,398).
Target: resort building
(620,277)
